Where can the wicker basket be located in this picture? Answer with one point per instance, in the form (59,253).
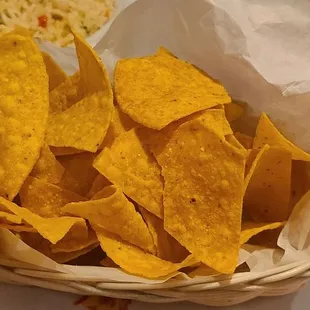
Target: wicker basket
(213,291)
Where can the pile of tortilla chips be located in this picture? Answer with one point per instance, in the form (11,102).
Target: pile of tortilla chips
(152,171)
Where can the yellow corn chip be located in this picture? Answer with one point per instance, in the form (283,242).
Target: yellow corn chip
(53,229)
(235,143)
(268,186)
(203,271)
(167,248)
(203,173)
(55,74)
(234,110)
(250,229)
(47,168)
(128,165)
(169,95)
(24,110)
(93,75)
(9,218)
(17,228)
(65,94)
(99,183)
(79,172)
(245,140)
(83,126)
(267,133)
(63,151)
(45,199)
(134,260)
(108,262)
(163,51)
(111,210)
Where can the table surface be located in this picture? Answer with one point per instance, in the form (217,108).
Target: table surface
(26,298)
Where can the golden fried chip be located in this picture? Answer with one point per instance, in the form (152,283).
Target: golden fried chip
(47,168)
(99,183)
(9,218)
(203,173)
(129,165)
(134,260)
(250,229)
(167,248)
(111,210)
(93,75)
(55,74)
(235,143)
(63,151)
(65,94)
(163,51)
(108,262)
(176,89)
(79,172)
(268,186)
(46,199)
(83,126)
(23,110)
(245,140)
(17,228)
(234,110)
(267,133)
(53,229)
(202,271)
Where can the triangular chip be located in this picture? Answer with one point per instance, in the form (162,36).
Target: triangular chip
(9,218)
(24,110)
(79,172)
(134,260)
(234,110)
(250,229)
(46,199)
(267,133)
(133,169)
(203,173)
(167,248)
(268,186)
(99,183)
(234,142)
(47,168)
(176,89)
(83,126)
(111,210)
(245,140)
(52,229)
(55,74)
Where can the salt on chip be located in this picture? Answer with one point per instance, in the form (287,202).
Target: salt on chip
(167,248)
(65,94)
(132,168)
(203,194)
(79,172)
(267,133)
(245,140)
(53,229)
(176,89)
(111,210)
(23,110)
(46,199)
(83,126)
(47,167)
(268,186)
(234,110)
(55,74)
(134,260)
(99,183)
(250,229)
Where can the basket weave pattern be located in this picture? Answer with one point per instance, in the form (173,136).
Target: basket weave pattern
(218,290)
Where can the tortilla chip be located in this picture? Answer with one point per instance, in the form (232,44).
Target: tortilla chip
(128,165)
(99,183)
(268,186)
(202,271)
(79,172)
(203,173)
(245,140)
(65,94)
(108,262)
(134,260)
(24,110)
(53,229)
(250,229)
(234,110)
(47,168)
(176,89)
(9,218)
(83,126)
(45,199)
(63,151)
(93,75)
(267,133)
(167,248)
(235,143)
(17,228)
(164,51)
(111,210)
(55,74)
